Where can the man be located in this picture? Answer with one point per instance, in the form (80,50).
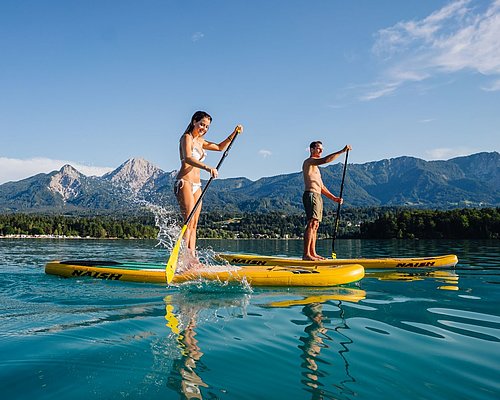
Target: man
(313,189)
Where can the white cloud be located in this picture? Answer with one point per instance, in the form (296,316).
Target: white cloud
(265,153)
(492,87)
(462,36)
(396,38)
(380,90)
(197,36)
(14,169)
(447,153)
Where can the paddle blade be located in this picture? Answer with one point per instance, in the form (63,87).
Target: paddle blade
(334,255)
(172,261)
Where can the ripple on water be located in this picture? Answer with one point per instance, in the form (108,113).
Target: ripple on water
(70,338)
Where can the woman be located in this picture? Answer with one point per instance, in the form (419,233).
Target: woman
(187,186)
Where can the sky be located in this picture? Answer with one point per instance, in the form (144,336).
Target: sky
(93,83)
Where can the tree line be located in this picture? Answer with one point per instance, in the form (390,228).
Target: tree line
(427,224)
(141,227)
(275,225)
(368,223)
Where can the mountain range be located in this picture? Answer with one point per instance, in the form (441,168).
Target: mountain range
(469,181)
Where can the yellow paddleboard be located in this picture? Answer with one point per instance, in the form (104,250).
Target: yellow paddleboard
(254,275)
(446,261)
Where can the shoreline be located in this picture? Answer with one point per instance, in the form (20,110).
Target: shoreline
(19,236)
(62,237)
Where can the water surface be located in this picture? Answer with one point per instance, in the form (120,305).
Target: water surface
(411,335)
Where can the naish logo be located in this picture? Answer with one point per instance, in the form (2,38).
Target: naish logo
(416,264)
(247,262)
(97,275)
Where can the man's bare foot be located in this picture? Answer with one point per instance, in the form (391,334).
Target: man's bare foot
(308,258)
(318,257)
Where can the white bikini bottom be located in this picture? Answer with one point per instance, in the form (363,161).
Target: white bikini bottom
(179,184)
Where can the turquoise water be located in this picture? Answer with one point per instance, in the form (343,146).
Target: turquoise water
(390,336)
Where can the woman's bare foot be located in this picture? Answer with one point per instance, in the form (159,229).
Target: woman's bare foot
(318,257)
(196,265)
(191,261)
(309,258)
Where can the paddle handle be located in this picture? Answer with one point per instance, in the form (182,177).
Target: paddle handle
(337,217)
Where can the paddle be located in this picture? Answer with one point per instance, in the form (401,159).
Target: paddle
(172,261)
(337,218)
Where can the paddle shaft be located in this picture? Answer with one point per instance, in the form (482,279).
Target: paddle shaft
(198,202)
(337,218)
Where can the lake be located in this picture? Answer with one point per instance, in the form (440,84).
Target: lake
(409,335)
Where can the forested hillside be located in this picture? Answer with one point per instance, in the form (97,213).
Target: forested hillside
(371,223)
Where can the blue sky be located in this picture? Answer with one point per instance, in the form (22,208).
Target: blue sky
(94,83)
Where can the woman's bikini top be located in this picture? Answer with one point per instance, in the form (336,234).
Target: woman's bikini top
(199,155)
(196,153)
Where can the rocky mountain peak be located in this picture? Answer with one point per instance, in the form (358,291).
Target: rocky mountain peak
(67,182)
(69,171)
(134,174)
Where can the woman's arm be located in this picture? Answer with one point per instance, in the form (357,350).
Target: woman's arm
(222,145)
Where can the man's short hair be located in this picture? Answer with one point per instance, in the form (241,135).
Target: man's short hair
(314,144)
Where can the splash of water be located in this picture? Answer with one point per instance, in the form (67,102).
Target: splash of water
(166,219)
(169,230)
(167,224)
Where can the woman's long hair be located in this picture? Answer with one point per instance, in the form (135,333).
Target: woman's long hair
(197,116)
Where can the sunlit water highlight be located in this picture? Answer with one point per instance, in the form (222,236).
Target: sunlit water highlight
(412,335)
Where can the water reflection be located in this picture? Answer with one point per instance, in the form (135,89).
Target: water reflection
(450,278)
(321,333)
(183,311)
(325,332)
(184,378)
(316,339)
(313,342)
(320,295)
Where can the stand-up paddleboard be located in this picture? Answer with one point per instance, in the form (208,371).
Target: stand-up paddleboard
(254,275)
(446,261)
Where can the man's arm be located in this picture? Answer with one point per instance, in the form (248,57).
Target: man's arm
(330,157)
(331,196)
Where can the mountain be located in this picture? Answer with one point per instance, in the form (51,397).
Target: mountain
(470,181)
(135,175)
(462,181)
